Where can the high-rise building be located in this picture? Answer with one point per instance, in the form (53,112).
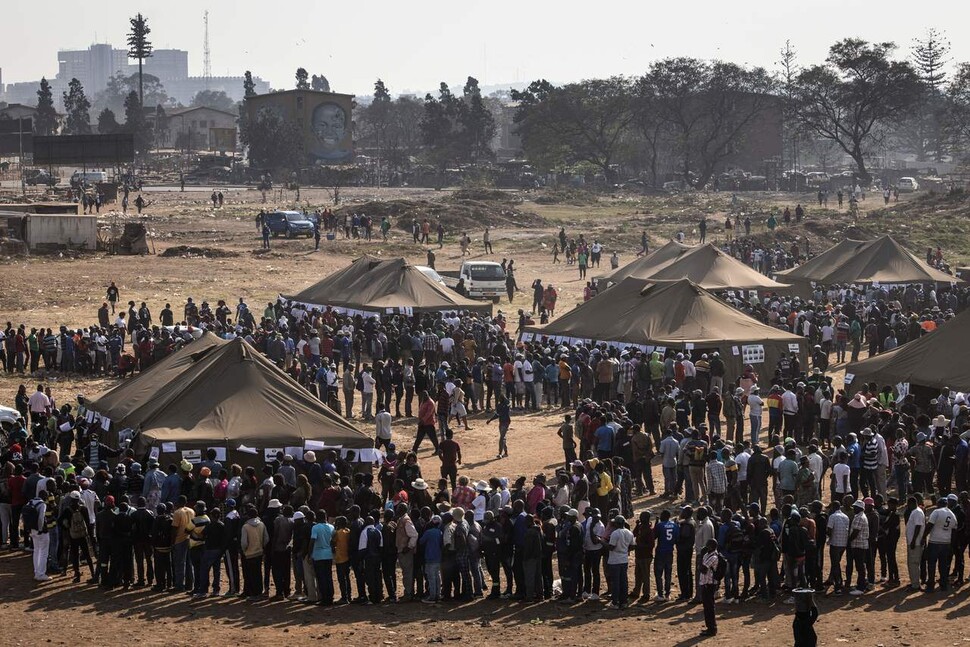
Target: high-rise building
(98,63)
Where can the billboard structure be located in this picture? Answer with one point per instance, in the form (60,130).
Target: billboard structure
(324,119)
(84,150)
(16,136)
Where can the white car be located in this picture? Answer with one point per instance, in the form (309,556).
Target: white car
(430,273)
(907,185)
(8,417)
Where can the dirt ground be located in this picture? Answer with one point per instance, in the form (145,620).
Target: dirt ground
(50,291)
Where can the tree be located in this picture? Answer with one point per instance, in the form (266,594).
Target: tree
(478,124)
(273,143)
(922,130)
(301,79)
(789,69)
(376,120)
(249,86)
(578,122)
(108,123)
(319,83)
(958,107)
(139,47)
(137,124)
(119,86)
(76,105)
(216,99)
(440,127)
(45,123)
(858,90)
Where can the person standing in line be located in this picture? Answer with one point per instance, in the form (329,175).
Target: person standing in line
(937,542)
(915,520)
(709,560)
(618,562)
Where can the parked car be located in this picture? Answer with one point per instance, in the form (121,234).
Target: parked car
(8,418)
(87,178)
(430,273)
(37,177)
(289,223)
(907,185)
(483,279)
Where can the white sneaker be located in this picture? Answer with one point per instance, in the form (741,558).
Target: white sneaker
(42,578)
(790,601)
(585,596)
(594,597)
(658,598)
(856,592)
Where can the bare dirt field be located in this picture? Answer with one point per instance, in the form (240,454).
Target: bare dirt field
(50,291)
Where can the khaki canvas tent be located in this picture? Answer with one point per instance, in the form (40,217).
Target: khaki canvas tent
(372,286)
(938,359)
(713,269)
(226,396)
(678,315)
(802,276)
(645,265)
(882,260)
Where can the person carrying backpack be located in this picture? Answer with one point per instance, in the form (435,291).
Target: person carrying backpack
(77,532)
(34,514)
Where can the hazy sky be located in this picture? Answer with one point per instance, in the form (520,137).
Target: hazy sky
(414,45)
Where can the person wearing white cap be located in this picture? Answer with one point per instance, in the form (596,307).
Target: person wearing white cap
(480,502)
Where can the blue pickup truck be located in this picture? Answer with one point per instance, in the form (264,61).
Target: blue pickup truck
(289,223)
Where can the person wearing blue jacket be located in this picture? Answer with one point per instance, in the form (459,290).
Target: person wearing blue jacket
(667,533)
(431,547)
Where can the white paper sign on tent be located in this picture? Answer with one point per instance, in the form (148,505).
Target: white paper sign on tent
(849,377)
(247,450)
(269,453)
(317,445)
(169,448)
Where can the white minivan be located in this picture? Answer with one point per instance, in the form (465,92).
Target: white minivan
(88,177)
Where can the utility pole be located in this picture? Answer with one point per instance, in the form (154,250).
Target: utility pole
(206,58)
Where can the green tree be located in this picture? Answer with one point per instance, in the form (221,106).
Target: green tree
(922,130)
(577,122)
(273,143)
(108,123)
(249,86)
(120,85)
(139,47)
(216,99)
(76,105)
(376,121)
(708,108)
(857,91)
(46,121)
(478,124)
(137,124)
(302,76)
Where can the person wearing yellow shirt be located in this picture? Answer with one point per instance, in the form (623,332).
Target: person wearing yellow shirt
(181,527)
(341,558)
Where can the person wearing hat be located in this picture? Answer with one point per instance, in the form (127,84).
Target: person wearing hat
(77,533)
(859,547)
(569,549)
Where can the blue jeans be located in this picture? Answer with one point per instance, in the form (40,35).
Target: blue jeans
(179,552)
(52,557)
(902,482)
(211,561)
(663,566)
(619,584)
(670,480)
(433,574)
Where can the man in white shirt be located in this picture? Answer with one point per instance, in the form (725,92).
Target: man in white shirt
(840,474)
(39,405)
(742,462)
(382,424)
(915,525)
(367,393)
(618,561)
(837,529)
(816,464)
(939,532)
(789,408)
(755,405)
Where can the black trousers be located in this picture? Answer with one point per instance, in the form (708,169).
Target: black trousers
(281,571)
(685,572)
(143,562)
(253,578)
(163,569)
(707,598)
(77,547)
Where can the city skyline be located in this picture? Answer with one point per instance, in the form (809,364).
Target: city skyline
(500,44)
